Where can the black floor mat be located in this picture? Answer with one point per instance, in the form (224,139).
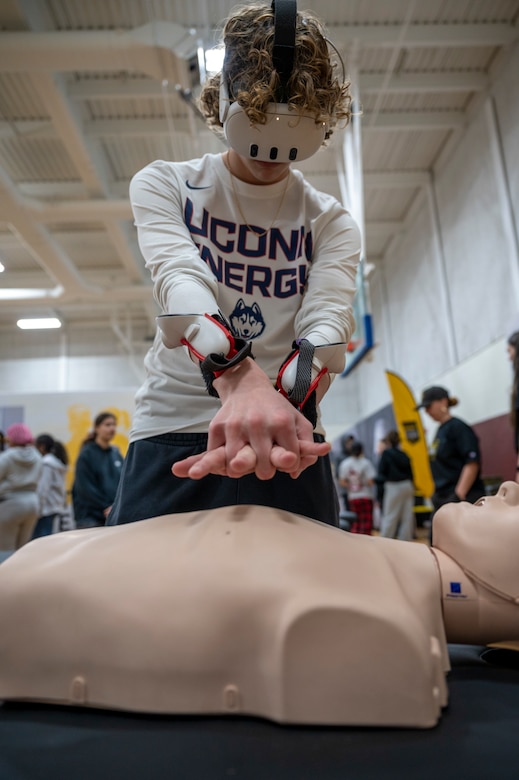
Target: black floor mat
(476,739)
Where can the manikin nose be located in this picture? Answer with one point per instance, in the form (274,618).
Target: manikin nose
(509,492)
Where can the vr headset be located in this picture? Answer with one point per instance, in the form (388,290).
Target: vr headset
(287,135)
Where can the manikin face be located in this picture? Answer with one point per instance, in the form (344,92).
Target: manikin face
(483,537)
(485,514)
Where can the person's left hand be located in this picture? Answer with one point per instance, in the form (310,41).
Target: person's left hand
(245,461)
(260,431)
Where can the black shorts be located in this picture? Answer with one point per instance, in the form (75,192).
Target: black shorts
(147,487)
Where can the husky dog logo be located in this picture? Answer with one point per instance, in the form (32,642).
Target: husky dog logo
(247,321)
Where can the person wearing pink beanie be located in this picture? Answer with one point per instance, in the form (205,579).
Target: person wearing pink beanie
(18,434)
(20,468)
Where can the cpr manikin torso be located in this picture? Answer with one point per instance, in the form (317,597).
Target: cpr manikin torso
(237,610)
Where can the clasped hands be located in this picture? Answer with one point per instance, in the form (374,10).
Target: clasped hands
(256,431)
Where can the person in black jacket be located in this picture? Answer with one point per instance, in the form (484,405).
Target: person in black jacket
(454,454)
(395,490)
(98,469)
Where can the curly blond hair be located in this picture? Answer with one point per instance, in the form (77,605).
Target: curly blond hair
(313,88)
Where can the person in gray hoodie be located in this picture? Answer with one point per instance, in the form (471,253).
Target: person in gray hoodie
(52,490)
(20,469)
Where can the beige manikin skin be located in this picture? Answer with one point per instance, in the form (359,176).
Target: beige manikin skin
(251,610)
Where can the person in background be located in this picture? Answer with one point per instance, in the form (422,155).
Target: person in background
(513,354)
(52,491)
(254,258)
(2,441)
(454,454)
(395,479)
(357,476)
(20,470)
(379,483)
(98,469)
(346,444)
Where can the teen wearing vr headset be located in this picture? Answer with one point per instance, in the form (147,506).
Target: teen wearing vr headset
(254,271)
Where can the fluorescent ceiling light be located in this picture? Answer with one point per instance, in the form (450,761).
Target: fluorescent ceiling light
(39,324)
(214,59)
(2,267)
(25,293)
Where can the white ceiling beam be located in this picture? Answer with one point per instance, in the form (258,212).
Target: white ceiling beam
(138,128)
(62,202)
(125,244)
(428,35)
(414,120)
(74,211)
(102,128)
(67,124)
(90,165)
(159,49)
(53,190)
(61,271)
(26,128)
(126,89)
(58,191)
(378,180)
(423,82)
(66,281)
(162,49)
(387,120)
(115,89)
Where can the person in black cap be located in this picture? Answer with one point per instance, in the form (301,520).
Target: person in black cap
(455,455)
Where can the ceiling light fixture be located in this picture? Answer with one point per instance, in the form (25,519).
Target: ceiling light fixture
(41,323)
(214,60)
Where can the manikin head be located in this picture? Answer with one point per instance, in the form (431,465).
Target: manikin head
(485,517)
(483,537)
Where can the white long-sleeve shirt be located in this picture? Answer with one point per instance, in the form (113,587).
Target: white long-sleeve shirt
(296,281)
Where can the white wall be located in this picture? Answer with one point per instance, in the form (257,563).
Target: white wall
(506,98)
(49,361)
(446,295)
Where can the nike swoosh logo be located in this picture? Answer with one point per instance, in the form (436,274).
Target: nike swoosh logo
(192,186)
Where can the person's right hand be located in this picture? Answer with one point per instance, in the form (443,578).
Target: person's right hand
(256,430)
(245,462)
